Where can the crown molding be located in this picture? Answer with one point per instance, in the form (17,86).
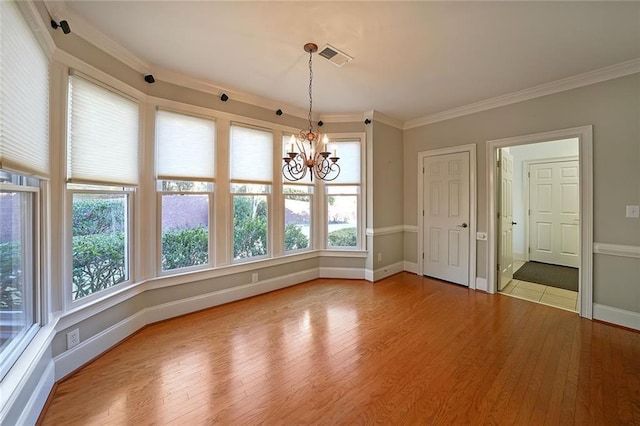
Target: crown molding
(580,80)
(383,118)
(342,118)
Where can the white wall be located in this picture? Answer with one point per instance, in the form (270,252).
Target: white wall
(538,151)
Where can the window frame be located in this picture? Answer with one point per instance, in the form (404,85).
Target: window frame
(268,194)
(135,254)
(157,105)
(33,247)
(361,195)
(130,238)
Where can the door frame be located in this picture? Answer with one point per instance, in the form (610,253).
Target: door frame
(471,149)
(585,158)
(525,194)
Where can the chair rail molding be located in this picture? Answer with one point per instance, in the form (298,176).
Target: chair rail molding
(616,250)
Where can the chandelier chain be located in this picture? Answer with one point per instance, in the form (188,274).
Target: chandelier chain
(310,88)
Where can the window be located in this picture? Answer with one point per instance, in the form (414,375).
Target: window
(19,283)
(102,173)
(297,216)
(251,174)
(24,151)
(343,198)
(185,169)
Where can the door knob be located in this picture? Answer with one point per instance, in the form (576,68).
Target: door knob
(464,225)
(514,223)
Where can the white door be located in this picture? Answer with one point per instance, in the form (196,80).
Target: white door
(446,217)
(554,223)
(505,219)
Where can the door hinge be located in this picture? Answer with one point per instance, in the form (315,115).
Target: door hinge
(423,170)
(498,267)
(529,212)
(529,174)
(422,256)
(498,215)
(498,163)
(529,249)
(422,213)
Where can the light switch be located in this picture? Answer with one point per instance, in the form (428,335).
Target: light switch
(633,211)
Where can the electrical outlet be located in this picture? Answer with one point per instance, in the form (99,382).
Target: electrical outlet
(254,277)
(379,257)
(73,338)
(633,211)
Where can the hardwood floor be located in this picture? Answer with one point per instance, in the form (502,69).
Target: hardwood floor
(406,350)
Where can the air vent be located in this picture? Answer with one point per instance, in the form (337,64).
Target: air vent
(335,56)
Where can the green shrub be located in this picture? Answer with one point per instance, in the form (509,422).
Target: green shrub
(345,237)
(10,278)
(97,216)
(294,239)
(185,247)
(98,262)
(249,226)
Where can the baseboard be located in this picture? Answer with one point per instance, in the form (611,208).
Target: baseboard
(387,271)
(197,303)
(368,275)
(616,316)
(346,273)
(38,398)
(481,284)
(520,257)
(410,267)
(74,358)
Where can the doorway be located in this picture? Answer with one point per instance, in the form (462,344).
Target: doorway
(538,209)
(583,227)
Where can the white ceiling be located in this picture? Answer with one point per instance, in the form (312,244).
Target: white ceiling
(411,59)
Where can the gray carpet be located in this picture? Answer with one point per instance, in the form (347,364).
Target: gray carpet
(547,274)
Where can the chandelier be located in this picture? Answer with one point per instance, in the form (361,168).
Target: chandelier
(308,151)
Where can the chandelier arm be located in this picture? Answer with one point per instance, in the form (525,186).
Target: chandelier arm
(295,169)
(326,169)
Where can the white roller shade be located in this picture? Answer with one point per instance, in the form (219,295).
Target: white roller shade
(251,155)
(103,135)
(24,96)
(186,147)
(349,153)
